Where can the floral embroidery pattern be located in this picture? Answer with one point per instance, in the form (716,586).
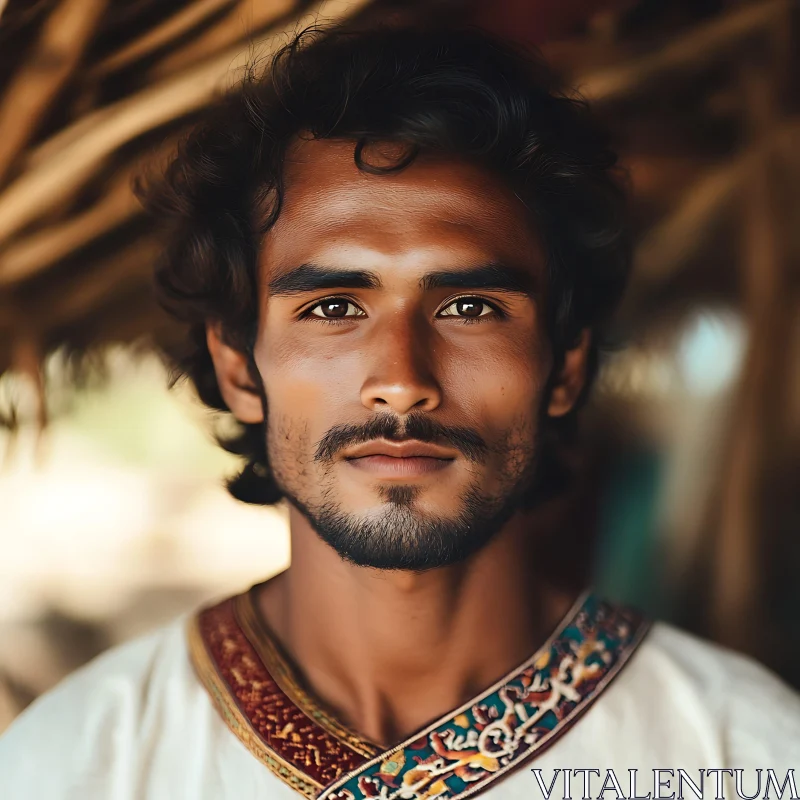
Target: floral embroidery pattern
(458,756)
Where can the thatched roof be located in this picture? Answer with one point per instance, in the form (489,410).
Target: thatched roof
(91,90)
(701,95)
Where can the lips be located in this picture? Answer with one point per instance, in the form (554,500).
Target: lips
(398,460)
(401,450)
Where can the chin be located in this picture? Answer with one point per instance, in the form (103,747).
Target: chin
(405,495)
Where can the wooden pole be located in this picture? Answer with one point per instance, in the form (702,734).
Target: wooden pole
(741,558)
(61,43)
(250,18)
(702,46)
(41,249)
(665,248)
(53,180)
(178,24)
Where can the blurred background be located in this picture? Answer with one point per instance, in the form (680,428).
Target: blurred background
(113,515)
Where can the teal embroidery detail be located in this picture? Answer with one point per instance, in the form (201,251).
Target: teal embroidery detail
(517,717)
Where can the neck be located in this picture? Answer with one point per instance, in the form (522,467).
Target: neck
(390,650)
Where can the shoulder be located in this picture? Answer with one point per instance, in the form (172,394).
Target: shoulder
(751,711)
(122,677)
(98,715)
(730,682)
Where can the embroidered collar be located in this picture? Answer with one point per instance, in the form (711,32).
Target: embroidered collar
(267,707)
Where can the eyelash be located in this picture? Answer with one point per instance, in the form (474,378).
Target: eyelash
(497,312)
(307,315)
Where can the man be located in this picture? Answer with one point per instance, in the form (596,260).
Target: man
(397,252)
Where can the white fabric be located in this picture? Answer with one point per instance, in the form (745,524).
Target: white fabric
(135,724)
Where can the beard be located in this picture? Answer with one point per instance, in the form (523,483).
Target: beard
(400,536)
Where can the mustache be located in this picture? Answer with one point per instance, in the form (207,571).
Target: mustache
(417,426)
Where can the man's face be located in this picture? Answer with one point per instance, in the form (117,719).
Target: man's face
(402,352)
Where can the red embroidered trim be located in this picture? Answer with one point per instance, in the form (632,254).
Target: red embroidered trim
(317,756)
(279,723)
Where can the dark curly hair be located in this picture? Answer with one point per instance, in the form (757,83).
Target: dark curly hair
(455,91)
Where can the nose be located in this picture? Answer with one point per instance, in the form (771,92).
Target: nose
(401,378)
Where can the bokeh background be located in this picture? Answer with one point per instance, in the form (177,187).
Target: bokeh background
(113,515)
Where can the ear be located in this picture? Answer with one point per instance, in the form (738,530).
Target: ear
(233,377)
(571,377)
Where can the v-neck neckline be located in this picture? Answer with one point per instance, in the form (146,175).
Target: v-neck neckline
(265,703)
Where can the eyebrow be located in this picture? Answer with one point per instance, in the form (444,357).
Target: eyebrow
(495,277)
(314,277)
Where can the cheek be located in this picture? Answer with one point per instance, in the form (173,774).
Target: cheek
(499,386)
(308,387)
(304,377)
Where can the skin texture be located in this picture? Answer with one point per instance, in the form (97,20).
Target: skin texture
(392,649)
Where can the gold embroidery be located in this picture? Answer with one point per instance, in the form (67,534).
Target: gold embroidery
(510,721)
(209,677)
(262,701)
(283,673)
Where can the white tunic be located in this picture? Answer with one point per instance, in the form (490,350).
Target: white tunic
(136,724)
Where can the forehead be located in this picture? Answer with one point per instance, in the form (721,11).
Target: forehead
(434,210)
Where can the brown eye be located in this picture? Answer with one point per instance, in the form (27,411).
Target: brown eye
(336,308)
(468,308)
